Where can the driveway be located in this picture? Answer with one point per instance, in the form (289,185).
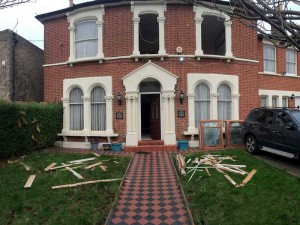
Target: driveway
(292,166)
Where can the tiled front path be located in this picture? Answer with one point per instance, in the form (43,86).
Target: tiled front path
(150,194)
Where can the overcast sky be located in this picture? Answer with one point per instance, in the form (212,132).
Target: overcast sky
(22,20)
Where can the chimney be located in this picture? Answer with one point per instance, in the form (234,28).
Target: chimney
(70,3)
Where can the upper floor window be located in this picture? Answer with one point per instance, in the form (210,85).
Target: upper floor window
(213,33)
(98,109)
(86,39)
(76,109)
(213,40)
(291,59)
(202,103)
(86,34)
(224,102)
(269,58)
(149,34)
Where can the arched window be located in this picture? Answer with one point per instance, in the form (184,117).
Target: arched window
(86,39)
(202,103)
(76,109)
(224,102)
(98,109)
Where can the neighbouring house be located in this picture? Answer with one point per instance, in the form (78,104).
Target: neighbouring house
(140,70)
(21,68)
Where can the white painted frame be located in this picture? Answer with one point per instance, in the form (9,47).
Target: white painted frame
(213,81)
(272,46)
(296,72)
(87,84)
(82,14)
(276,93)
(144,8)
(199,13)
(131,83)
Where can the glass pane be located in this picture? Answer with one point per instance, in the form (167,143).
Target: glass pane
(212,136)
(235,133)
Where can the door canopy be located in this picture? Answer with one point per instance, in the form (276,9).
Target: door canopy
(149,70)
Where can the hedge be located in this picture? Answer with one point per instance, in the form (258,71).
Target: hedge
(26,127)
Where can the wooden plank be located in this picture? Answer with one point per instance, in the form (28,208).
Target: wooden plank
(93,165)
(248,178)
(96,154)
(82,160)
(25,166)
(49,167)
(207,171)
(83,183)
(103,167)
(29,181)
(74,172)
(231,170)
(230,179)
(59,167)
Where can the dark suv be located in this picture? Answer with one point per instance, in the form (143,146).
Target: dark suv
(275,130)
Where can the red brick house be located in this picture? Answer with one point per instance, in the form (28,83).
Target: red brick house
(134,70)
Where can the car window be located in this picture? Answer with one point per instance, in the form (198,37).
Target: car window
(252,117)
(296,115)
(282,119)
(266,117)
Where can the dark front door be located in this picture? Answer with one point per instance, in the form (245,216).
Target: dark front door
(155,117)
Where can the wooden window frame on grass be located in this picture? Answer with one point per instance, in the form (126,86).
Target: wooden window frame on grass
(228,133)
(202,127)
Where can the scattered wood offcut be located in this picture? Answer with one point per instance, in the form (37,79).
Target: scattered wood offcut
(207,162)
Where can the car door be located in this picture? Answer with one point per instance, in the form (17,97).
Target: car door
(284,134)
(265,122)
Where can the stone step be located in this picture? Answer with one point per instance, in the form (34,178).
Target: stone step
(150,142)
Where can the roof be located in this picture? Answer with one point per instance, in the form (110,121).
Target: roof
(62,12)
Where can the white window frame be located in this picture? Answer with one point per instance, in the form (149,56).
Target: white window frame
(275,60)
(86,85)
(295,62)
(279,94)
(286,99)
(199,13)
(213,81)
(275,100)
(95,13)
(266,99)
(148,8)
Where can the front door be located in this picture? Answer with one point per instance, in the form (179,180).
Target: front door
(155,132)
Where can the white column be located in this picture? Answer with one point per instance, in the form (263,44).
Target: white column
(72,43)
(235,107)
(191,108)
(214,106)
(100,39)
(161,27)
(169,117)
(279,100)
(66,115)
(86,114)
(109,114)
(228,38)
(136,48)
(199,50)
(131,119)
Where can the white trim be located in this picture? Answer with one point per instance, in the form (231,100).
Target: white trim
(83,14)
(139,8)
(199,13)
(131,83)
(213,81)
(278,94)
(86,84)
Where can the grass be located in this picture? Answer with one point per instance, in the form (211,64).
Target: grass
(88,204)
(272,196)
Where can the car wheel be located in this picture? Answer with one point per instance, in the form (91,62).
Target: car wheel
(251,144)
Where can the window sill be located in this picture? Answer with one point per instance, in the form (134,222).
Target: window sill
(278,74)
(88,59)
(228,58)
(87,134)
(149,56)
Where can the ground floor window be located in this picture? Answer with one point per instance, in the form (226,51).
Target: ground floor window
(224,102)
(76,109)
(98,109)
(202,103)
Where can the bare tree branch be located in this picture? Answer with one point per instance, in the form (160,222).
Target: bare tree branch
(275,20)
(11,3)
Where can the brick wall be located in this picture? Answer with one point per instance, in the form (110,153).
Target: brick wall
(179,31)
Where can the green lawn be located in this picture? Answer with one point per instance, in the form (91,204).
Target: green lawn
(88,204)
(272,196)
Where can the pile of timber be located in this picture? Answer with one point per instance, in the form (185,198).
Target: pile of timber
(215,162)
(86,164)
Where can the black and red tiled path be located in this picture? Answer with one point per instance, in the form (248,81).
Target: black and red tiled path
(150,194)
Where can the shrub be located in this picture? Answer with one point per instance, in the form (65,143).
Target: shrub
(28,126)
